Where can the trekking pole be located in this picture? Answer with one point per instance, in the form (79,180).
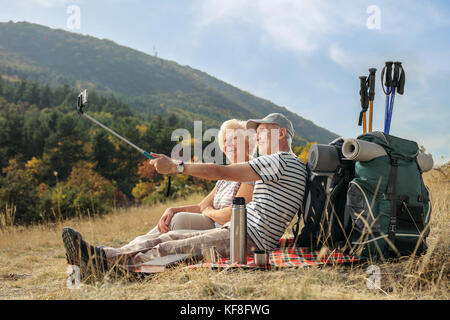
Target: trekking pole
(394,85)
(82,102)
(388,69)
(398,82)
(364,102)
(371,81)
(401,80)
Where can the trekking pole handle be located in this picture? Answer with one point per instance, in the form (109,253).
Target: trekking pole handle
(388,67)
(401,77)
(395,79)
(364,98)
(363,93)
(371,79)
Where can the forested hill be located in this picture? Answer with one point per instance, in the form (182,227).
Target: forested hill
(145,82)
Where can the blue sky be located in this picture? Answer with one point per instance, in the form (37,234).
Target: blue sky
(304,55)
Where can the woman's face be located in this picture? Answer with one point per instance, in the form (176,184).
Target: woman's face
(236,146)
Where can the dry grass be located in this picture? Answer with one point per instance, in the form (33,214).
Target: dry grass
(33,266)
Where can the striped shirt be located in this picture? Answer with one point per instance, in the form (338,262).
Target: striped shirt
(225,192)
(223,197)
(276,197)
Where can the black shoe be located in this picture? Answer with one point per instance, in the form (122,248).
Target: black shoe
(90,259)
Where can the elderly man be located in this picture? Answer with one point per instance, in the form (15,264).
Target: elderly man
(280,178)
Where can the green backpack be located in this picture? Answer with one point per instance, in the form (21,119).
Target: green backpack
(388,203)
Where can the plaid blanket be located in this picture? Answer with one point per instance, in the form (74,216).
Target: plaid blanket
(287,256)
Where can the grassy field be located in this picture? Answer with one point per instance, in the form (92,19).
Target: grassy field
(33,266)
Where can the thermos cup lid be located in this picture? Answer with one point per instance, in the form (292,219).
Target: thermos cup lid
(239,201)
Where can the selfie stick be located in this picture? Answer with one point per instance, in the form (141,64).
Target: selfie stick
(82,101)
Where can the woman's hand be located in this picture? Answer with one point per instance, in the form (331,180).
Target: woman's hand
(208,212)
(164,222)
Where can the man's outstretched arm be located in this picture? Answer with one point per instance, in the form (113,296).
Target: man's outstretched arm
(209,171)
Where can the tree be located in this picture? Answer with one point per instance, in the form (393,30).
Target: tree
(12,141)
(32,94)
(20,91)
(46,97)
(303,151)
(84,191)
(88,190)
(61,94)
(64,147)
(146,171)
(126,158)
(52,120)
(9,92)
(142,190)
(103,152)
(158,135)
(19,189)
(172,120)
(35,133)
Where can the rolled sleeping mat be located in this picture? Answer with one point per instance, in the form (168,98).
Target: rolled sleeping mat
(425,161)
(323,158)
(360,150)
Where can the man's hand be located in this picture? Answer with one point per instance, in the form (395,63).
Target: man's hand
(164,222)
(163,164)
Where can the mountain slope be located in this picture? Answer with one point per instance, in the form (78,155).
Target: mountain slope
(147,83)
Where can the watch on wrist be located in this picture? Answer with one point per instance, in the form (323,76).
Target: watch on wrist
(180,167)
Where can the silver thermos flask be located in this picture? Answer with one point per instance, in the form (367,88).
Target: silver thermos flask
(238,235)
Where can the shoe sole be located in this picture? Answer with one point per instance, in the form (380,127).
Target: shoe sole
(90,268)
(73,254)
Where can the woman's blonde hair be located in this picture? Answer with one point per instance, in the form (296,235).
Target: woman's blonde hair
(234,124)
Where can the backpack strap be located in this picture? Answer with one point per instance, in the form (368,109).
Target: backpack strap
(424,197)
(391,194)
(301,210)
(296,226)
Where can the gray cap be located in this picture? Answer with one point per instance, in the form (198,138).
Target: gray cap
(275,118)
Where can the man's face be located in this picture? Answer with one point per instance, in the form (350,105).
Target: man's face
(267,135)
